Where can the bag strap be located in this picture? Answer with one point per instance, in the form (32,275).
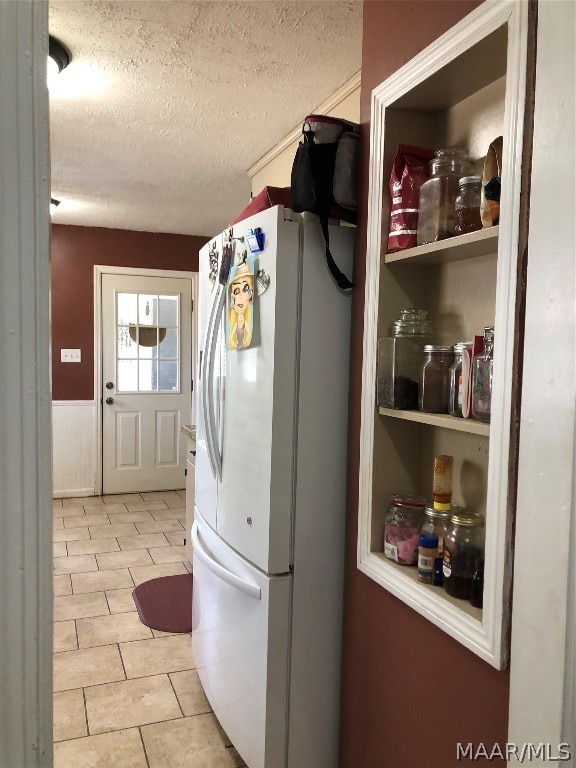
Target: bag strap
(339,276)
(324,199)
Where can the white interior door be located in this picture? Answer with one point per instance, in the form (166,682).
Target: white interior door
(146,381)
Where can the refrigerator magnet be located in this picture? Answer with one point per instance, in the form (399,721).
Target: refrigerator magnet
(262,282)
(240,317)
(213,267)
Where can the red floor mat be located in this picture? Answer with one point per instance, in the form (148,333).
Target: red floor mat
(165,603)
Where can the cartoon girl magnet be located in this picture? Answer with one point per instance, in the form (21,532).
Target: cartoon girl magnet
(240,297)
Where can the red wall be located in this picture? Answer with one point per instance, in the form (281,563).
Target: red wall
(409,691)
(74,252)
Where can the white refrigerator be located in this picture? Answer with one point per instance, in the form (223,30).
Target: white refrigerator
(270,493)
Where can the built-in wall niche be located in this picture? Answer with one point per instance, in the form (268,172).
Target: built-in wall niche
(464,90)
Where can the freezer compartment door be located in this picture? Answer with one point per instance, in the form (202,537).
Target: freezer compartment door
(240,629)
(255,499)
(209,378)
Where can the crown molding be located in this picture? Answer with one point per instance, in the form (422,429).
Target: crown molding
(331,103)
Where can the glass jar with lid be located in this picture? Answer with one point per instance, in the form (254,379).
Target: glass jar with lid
(436,214)
(467,205)
(456,381)
(463,550)
(482,378)
(435,378)
(402,527)
(400,358)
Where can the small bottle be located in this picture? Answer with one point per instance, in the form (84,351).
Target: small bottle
(456,381)
(442,482)
(427,555)
(467,205)
(482,378)
(436,522)
(435,379)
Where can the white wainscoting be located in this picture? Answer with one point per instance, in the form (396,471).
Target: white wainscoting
(74,470)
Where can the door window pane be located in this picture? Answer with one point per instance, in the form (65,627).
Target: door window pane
(168,316)
(169,346)
(168,370)
(147,309)
(148,379)
(127,311)
(147,339)
(127,376)
(127,347)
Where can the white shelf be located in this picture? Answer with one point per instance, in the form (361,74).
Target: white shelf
(439,420)
(446,96)
(435,595)
(468,246)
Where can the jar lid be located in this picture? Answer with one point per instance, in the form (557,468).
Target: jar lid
(460,346)
(437,348)
(411,321)
(439,514)
(467,518)
(470,180)
(408,501)
(428,540)
(452,160)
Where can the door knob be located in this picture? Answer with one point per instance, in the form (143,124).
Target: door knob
(109,400)
(109,385)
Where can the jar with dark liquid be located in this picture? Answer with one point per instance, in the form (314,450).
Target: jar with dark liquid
(463,550)
(467,205)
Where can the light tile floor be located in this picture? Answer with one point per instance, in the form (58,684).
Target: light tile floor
(124,695)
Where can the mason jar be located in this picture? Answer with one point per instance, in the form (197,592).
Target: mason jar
(467,205)
(434,392)
(463,550)
(402,526)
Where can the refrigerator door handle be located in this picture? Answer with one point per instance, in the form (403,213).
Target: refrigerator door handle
(218,570)
(206,386)
(209,409)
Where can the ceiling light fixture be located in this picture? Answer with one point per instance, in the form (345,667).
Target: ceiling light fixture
(58,58)
(53,205)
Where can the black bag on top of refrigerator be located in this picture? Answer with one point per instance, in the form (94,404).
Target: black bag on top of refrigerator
(324,176)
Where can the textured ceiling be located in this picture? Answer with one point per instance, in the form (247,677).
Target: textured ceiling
(166,104)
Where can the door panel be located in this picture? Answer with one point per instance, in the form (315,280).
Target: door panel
(127,440)
(146,373)
(260,390)
(240,638)
(205,493)
(167,438)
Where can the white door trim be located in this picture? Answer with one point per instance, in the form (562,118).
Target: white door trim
(25,448)
(99,271)
(542,706)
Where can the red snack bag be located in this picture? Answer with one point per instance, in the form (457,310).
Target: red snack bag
(409,171)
